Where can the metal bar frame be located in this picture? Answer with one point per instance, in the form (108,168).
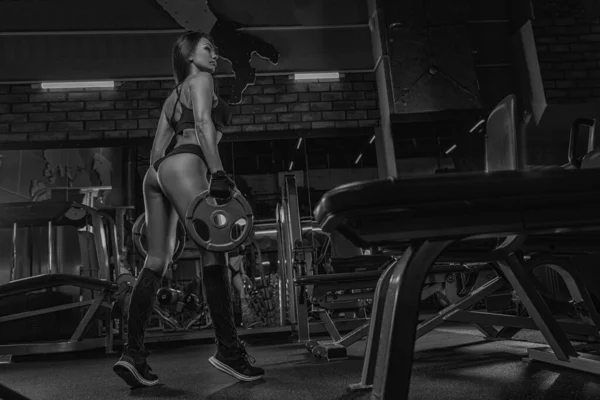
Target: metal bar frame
(397,332)
(467,302)
(77,341)
(368,371)
(49,310)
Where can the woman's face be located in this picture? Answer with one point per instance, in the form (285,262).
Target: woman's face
(205,56)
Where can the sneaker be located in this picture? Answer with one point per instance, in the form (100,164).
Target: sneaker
(134,370)
(237,363)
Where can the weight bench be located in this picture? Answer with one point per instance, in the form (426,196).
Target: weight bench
(429,214)
(99,307)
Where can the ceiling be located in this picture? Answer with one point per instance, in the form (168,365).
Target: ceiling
(132,39)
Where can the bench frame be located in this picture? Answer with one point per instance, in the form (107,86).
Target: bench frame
(394,327)
(98,308)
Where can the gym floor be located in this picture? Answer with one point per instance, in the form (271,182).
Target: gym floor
(453,362)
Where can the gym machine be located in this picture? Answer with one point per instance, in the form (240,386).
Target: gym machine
(338,292)
(506,205)
(95,275)
(521,215)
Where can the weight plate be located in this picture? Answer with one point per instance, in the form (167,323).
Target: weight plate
(139,237)
(219,227)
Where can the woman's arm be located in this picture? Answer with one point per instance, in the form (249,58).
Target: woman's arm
(201,93)
(164,134)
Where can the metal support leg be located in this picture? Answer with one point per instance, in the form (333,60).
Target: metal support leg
(302,312)
(101,246)
(431,290)
(579,293)
(518,276)
(467,302)
(84,325)
(14,265)
(330,326)
(50,247)
(368,370)
(393,366)
(337,348)
(108,329)
(563,353)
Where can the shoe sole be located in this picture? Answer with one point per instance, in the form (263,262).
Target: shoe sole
(131,376)
(230,371)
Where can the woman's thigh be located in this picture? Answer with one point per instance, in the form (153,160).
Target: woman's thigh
(161,220)
(182,177)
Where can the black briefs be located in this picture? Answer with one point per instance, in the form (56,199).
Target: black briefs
(184,148)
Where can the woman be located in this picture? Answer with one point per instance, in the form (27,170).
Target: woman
(173,180)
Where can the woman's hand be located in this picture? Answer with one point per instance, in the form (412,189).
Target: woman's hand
(221,186)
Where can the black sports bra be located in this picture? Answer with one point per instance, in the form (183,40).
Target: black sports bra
(221,115)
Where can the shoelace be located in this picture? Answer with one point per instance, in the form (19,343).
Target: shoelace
(244,354)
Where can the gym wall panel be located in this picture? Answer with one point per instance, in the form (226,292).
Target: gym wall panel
(568,45)
(431,60)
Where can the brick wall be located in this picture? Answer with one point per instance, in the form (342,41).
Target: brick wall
(132,110)
(568,48)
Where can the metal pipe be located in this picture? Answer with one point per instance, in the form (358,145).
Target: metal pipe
(489,21)
(179,31)
(93,32)
(293,233)
(170,78)
(493,65)
(131,158)
(58,245)
(301,27)
(113,240)
(281,264)
(14,253)
(50,245)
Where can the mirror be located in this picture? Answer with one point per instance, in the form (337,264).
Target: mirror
(259,168)
(334,161)
(59,174)
(440,146)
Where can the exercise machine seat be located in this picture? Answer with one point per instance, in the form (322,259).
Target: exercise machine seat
(461,205)
(39,213)
(46,281)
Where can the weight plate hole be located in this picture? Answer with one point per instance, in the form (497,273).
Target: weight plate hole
(219,219)
(238,229)
(202,229)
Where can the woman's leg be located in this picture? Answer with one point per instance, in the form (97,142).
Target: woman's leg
(182,178)
(161,224)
